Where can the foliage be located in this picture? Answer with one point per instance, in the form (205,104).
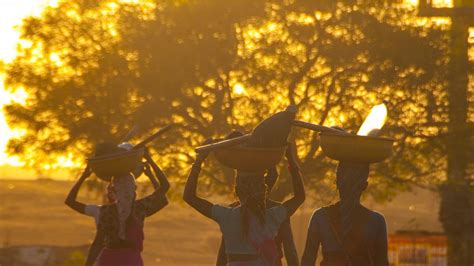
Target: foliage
(93,69)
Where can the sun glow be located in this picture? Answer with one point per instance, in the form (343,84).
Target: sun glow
(5,132)
(239,89)
(11,15)
(374,121)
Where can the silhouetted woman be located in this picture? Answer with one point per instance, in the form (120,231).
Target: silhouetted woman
(249,230)
(283,240)
(119,236)
(348,233)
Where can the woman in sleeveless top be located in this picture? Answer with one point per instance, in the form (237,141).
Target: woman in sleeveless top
(284,239)
(348,233)
(249,229)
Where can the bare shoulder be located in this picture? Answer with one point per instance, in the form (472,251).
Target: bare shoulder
(318,213)
(377,217)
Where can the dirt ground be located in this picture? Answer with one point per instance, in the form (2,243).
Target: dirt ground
(33,212)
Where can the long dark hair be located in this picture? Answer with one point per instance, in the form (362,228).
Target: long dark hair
(351,182)
(252,192)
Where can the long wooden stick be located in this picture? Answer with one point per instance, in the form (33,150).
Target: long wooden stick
(223,144)
(130,134)
(152,137)
(315,127)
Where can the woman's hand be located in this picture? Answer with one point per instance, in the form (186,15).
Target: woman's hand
(201,156)
(87,172)
(146,154)
(290,154)
(147,169)
(292,204)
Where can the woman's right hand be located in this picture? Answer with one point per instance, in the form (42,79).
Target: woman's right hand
(201,156)
(147,169)
(86,172)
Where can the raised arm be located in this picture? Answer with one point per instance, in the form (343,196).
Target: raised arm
(153,203)
(292,204)
(190,197)
(151,176)
(163,186)
(271,177)
(71,197)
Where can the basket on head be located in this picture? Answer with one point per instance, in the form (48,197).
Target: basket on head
(249,159)
(106,166)
(354,148)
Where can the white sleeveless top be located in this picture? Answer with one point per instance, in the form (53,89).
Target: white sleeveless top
(229,220)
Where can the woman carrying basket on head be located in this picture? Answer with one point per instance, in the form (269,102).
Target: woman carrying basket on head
(119,237)
(348,233)
(249,229)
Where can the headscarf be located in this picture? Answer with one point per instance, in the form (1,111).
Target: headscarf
(124,187)
(351,183)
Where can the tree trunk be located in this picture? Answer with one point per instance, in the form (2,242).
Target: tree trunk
(457,204)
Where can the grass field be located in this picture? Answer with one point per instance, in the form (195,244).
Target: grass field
(32,213)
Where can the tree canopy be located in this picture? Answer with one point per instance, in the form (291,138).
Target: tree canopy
(93,69)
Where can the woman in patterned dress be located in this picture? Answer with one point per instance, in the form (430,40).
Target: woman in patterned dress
(119,237)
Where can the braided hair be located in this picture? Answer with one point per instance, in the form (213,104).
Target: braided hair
(252,192)
(351,182)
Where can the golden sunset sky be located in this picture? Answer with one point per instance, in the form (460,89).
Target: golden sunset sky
(11,14)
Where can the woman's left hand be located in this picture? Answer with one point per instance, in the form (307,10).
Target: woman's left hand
(146,154)
(147,169)
(87,172)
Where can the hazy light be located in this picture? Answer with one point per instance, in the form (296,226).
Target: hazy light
(62,162)
(11,14)
(435,3)
(375,120)
(239,89)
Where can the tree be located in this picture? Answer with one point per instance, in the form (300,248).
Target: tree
(334,61)
(95,68)
(458,219)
